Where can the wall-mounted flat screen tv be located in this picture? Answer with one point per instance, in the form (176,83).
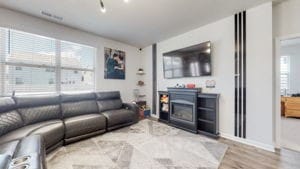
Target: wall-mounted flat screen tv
(193,61)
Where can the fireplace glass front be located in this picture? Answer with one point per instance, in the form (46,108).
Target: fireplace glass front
(182,111)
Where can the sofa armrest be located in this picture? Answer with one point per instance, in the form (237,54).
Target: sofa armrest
(4,161)
(133,107)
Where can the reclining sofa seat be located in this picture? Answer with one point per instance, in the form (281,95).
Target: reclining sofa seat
(42,116)
(29,125)
(10,120)
(116,112)
(13,145)
(81,116)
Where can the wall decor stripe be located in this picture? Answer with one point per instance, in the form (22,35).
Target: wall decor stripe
(240,74)
(154,78)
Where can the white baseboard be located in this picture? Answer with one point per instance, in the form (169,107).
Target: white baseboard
(290,145)
(263,146)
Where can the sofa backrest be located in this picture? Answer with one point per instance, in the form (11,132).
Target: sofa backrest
(109,100)
(10,119)
(34,109)
(78,104)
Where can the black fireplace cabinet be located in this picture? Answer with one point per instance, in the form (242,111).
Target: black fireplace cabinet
(191,110)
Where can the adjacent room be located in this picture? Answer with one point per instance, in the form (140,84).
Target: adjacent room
(141,84)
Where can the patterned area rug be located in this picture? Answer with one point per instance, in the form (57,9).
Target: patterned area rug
(146,145)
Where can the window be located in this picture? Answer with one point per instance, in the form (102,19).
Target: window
(77,67)
(284,74)
(33,64)
(51,81)
(18,68)
(19,81)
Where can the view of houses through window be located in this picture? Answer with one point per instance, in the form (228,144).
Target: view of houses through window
(34,64)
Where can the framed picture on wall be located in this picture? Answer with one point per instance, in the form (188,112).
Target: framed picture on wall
(114,64)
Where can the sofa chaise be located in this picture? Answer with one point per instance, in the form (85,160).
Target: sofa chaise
(31,126)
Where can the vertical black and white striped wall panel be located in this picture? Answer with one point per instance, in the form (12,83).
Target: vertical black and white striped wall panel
(240,74)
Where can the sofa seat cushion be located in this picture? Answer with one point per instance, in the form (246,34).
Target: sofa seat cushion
(109,100)
(53,133)
(25,131)
(9,148)
(35,109)
(120,116)
(9,121)
(78,104)
(84,124)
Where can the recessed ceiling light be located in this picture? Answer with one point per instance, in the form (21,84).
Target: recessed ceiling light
(126,1)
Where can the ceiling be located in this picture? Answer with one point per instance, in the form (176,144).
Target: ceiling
(140,22)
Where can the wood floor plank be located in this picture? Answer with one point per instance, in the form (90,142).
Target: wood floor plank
(241,156)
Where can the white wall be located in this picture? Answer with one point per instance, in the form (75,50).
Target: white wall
(19,21)
(286,24)
(286,18)
(260,74)
(146,64)
(259,82)
(221,34)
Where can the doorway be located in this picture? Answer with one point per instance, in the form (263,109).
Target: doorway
(288,93)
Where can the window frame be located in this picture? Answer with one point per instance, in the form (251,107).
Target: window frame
(57,67)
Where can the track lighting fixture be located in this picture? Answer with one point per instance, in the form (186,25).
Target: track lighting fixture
(103,9)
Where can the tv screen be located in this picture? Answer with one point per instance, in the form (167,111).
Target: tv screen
(193,61)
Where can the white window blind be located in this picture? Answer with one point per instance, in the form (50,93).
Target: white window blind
(34,64)
(284,74)
(77,62)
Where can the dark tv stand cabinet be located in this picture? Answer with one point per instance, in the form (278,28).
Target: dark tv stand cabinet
(207,116)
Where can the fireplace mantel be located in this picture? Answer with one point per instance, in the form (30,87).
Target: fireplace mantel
(191,110)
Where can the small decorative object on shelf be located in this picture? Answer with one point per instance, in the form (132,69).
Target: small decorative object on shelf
(180,86)
(144,109)
(147,112)
(163,106)
(140,71)
(210,84)
(164,99)
(190,85)
(136,93)
(140,83)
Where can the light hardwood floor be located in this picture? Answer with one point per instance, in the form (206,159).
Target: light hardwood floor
(240,156)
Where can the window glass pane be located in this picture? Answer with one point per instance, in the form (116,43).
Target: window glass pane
(30,49)
(77,56)
(284,73)
(29,80)
(3,33)
(74,80)
(28,64)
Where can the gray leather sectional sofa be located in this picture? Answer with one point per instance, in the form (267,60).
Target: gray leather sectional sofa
(32,126)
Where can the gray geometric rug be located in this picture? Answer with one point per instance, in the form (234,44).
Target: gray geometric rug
(146,145)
